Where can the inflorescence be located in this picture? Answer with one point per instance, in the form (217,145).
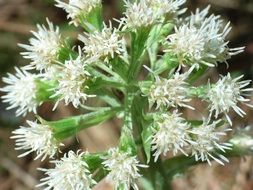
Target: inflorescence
(108,59)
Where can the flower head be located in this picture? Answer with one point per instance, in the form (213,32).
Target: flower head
(123,169)
(226,94)
(201,41)
(37,138)
(139,14)
(103,45)
(21,91)
(71,172)
(170,134)
(71,82)
(206,142)
(170,92)
(78,8)
(187,43)
(43,48)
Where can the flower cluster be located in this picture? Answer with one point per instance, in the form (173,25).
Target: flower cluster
(43,49)
(21,91)
(123,169)
(170,92)
(38,138)
(226,94)
(170,134)
(153,106)
(201,40)
(173,133)
(103,45)
(145,13)
(72,81)
(71,172)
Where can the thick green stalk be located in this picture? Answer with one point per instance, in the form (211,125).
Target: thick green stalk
(70,126)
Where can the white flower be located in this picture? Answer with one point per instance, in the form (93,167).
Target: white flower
(170,134)
(103,45)
(44,47)
(71,172)
(71,82)
(37,138)
(170,92)
(167,6)
(21,91)
(206,143)
(139,14)
(187,43)
(226,94)
(123,169)
(201,41)
(78,8)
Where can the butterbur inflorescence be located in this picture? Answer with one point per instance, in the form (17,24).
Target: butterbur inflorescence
(43,48)
(158,134)
(70,172)
(21,91)
(124,169)
(37,138)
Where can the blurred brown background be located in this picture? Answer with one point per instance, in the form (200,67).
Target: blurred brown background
(18,17)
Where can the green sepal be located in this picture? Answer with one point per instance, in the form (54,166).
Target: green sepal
(138,45)
(94,160)
(146,136)
(44,90)
(127,142)
(70,126)
(145,86)
(166,63)
(66,52)
(93,21)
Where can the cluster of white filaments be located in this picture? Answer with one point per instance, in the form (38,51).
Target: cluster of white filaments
(173,134)
(37,138)
(170,134)
(201,40)
(77,9)
(21,91)
(196,41)
(43,48)
(138,14)
(163,7)
(206,144)
(226,94)
(123,169)
(145,13)
(70,172)
(71,82)
(170,92)
(104,45)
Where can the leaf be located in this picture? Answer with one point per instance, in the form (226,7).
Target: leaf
(44,90)
(146,140)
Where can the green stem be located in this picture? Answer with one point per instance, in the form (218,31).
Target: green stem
(67,127)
